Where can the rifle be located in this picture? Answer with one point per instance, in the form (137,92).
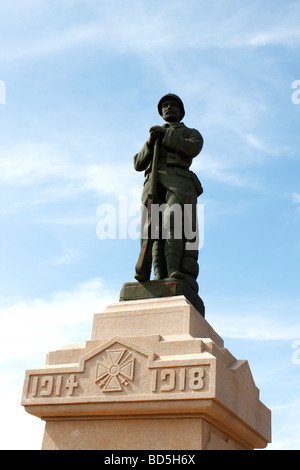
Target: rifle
(144,262)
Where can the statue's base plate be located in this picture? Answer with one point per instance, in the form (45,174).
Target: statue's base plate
(163,288)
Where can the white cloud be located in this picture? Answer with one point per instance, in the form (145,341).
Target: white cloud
(112,27)
(137,29)
(254,318)
(254,327)
(213,168)
(69,255)
(29,163)
(51,44)
(258,144)
(296,198)
(30,328)
(286,425)
(44,173)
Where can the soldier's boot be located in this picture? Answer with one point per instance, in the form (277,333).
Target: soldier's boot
(158,260)
(173,252)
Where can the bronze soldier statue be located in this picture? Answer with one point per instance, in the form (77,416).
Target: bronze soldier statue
(166,158)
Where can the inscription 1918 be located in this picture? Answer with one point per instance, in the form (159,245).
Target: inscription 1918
(177,379)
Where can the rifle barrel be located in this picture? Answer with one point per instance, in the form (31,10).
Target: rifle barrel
(154,172)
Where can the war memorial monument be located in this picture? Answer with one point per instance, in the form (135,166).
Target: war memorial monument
(154,375)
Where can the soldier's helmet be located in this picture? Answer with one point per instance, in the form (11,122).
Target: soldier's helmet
(171,96)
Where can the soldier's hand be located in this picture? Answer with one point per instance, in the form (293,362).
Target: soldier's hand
(158,129)
(156,132)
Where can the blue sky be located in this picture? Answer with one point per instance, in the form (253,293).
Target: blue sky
(82,81)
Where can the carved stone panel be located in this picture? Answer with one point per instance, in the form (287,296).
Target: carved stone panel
(119,370)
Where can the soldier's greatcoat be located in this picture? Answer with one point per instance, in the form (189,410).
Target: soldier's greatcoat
(177,150)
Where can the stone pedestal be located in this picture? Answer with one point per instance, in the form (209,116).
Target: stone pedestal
(154,376)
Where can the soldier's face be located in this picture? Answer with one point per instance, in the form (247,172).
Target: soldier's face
(171,111)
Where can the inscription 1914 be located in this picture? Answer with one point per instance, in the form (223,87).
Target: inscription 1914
(49,385)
